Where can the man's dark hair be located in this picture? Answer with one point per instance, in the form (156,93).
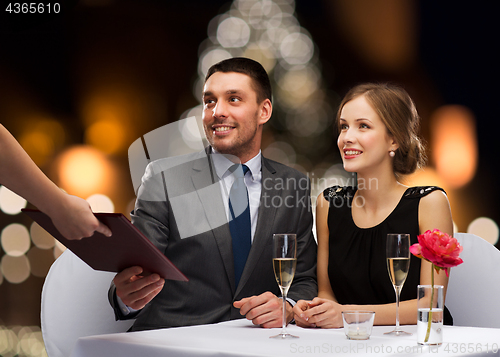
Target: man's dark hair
(251,68)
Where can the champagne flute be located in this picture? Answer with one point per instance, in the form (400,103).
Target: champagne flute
(284,264)
(398,264)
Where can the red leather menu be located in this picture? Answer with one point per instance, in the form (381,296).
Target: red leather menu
(127,246)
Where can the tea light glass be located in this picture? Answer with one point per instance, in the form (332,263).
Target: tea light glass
(358,324)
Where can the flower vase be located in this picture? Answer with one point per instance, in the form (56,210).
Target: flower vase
(430,307)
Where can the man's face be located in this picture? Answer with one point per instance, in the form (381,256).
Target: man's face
(232,118)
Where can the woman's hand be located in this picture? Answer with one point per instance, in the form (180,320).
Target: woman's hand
(298,310)
(319,312)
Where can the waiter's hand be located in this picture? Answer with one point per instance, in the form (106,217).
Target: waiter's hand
(136,290)
(264,310)
(73,218)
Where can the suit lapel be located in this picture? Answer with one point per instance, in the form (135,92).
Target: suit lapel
(265,220)
(207,186)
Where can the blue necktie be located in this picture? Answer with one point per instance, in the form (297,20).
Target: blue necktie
(239,223)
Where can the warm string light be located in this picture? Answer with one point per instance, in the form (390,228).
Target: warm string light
(41,138)
(485,228)
(22,340)
(101,203)
(454,144)
(10,202)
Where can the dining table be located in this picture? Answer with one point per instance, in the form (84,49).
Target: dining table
(242,338)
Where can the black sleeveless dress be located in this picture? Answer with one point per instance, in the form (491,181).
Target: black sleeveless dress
(357,265)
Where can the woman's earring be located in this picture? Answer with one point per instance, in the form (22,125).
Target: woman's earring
(392,153)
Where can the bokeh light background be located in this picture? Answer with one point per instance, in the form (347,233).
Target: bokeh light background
(79,87)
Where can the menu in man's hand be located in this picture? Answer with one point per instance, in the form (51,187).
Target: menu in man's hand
(127,246)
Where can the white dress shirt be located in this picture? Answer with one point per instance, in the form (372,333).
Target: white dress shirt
(253,179)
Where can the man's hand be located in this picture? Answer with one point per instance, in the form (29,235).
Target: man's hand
(136,290)
(264,310)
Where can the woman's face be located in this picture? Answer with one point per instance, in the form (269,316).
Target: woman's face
(364,142)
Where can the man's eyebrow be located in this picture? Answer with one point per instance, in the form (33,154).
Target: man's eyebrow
(229,91)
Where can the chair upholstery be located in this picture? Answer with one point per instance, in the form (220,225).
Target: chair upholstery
(473,293)
(75,304)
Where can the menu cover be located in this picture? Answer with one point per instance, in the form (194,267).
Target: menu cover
(127,246)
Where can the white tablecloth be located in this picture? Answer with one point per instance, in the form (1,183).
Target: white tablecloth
(241,338)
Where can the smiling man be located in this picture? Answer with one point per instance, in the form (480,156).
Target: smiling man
(236,107)
(186,207)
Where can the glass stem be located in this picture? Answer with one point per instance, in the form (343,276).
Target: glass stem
(398,291)
(283,293)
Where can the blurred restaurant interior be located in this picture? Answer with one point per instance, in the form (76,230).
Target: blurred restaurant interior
(78,87)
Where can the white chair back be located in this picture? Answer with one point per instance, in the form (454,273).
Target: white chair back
(75,304)
(474,286)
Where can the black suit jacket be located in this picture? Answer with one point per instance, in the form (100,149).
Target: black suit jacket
(180,209)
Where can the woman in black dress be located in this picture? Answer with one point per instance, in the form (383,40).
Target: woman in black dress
(378,140)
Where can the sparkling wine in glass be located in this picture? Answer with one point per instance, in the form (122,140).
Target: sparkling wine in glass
(284,264)
(398,264)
